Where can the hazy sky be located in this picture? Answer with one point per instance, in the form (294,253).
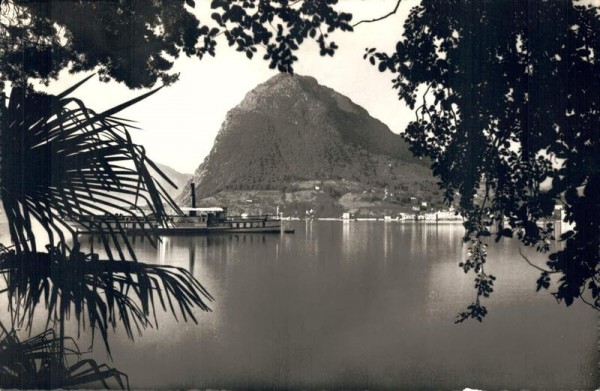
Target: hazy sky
(179,123)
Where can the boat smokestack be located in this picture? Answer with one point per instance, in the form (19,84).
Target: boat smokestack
(193,190)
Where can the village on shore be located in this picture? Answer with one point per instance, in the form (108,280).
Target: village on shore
(419,214)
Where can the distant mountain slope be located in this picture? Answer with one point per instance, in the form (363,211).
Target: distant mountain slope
(291,128)
(177,177)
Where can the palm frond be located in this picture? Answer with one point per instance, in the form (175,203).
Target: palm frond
(99,293)
(63,162)
(40,362)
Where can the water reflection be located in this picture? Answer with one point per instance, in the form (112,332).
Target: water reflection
(357,305)
(346,241)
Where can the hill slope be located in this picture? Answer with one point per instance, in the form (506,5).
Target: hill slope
(177,177)
(290,130)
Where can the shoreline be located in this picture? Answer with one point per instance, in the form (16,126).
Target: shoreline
(404,221)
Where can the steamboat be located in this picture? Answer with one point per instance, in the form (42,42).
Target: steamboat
(190,221)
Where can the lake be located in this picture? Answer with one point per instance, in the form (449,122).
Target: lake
(358,305)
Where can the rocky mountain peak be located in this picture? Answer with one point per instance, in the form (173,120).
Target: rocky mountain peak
(292,128)
(288,91)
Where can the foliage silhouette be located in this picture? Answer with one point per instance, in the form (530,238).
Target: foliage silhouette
(38,363)
(506,103)
(133,42)
(280,27)
(136,42)
(63,163)
(106,292)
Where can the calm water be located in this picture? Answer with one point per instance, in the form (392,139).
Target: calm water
(358,305)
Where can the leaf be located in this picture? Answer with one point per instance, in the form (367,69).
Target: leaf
(543,281)
(74,87)
(97,289)
(82,158)
(217,17)
(21,360)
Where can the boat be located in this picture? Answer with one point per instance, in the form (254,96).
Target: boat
(191,221)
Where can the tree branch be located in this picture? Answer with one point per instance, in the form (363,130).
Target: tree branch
(581,292)
(533,265)
(380,18)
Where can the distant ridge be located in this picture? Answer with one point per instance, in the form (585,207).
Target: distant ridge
(177,177)
(291,129)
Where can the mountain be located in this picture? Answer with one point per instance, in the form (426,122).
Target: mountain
(177,177)
(290,131)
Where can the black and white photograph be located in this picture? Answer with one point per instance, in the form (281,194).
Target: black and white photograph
(300,194)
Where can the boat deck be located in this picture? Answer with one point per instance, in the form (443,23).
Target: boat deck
(184,225)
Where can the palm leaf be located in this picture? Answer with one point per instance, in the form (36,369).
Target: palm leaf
(40,362)
(98,293)
(63,162)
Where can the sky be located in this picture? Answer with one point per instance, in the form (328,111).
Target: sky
(178,124)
